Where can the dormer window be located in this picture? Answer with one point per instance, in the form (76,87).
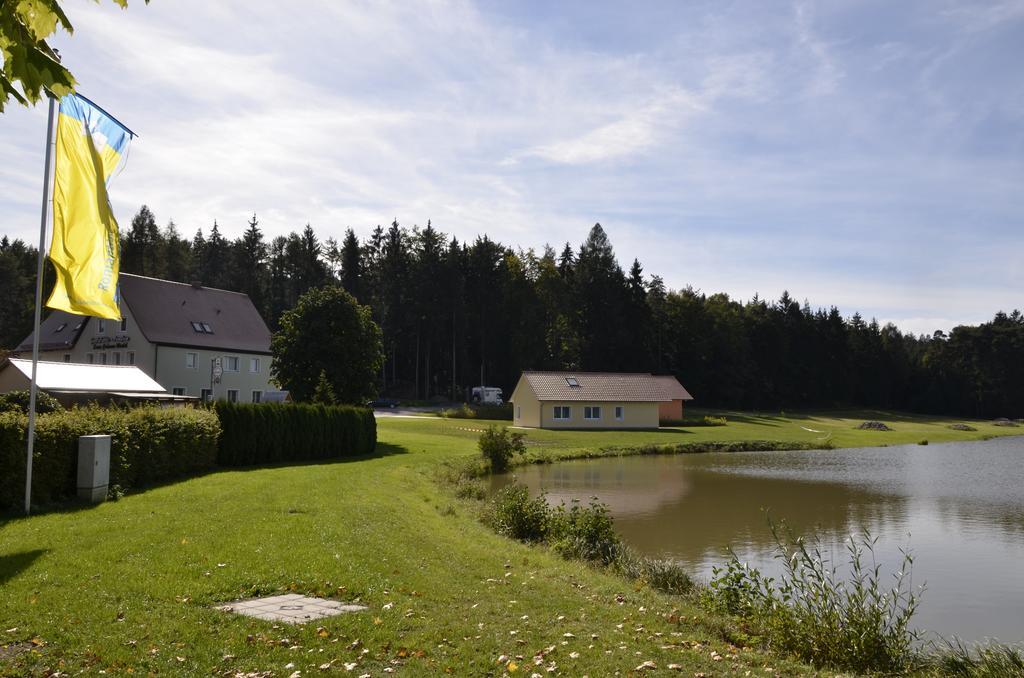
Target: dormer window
(60,328)
(572,382)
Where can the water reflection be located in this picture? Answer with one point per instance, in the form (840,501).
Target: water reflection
(960,507)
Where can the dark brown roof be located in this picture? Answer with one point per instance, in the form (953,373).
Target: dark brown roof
(604,386)
(58,331)
(165,311)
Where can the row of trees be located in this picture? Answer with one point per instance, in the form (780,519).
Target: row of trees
(457,314)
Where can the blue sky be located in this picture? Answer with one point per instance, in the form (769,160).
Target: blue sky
(864,154)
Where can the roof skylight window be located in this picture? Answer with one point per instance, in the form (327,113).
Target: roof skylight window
(60,328)
(201,328)
(207,328)
(197,327)
(572,382)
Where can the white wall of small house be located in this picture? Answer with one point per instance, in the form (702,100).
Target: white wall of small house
(634,415)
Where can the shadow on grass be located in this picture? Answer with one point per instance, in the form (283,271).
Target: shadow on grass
(73,505)
(14,564)
(748,418)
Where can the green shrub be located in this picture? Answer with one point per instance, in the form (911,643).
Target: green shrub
(584,532)
(149,444)
(662,575)
(515,514)
(690,423)
(498,446)
(495,412)
(465,411)
(813,613)
(281,432)
(984,661)
(18,401)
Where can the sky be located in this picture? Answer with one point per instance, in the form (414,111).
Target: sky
(867,155)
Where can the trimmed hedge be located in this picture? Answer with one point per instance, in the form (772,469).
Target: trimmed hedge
(281,432)
(149,445)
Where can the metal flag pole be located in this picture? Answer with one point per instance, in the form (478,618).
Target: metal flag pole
(38,314)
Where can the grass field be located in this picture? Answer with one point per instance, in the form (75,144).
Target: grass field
(129,586)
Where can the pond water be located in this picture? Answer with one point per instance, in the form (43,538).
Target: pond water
(959,508)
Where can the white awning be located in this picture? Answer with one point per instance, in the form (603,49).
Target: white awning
(69,377)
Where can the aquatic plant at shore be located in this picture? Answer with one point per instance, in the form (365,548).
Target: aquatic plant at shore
(811,611)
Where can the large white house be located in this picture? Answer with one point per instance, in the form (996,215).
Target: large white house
(177,333)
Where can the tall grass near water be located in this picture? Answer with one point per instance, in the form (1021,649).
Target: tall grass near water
(847,621)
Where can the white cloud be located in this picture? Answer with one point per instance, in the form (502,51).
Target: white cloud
(736,148)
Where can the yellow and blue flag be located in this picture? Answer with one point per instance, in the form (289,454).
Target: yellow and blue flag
(86,246)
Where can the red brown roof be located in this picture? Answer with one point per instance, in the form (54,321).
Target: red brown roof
(605,386)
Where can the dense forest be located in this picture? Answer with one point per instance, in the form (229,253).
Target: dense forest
(456,314)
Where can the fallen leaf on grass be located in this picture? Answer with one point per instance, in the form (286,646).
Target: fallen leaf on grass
(646,666)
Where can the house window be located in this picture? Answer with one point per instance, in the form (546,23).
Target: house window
(201,328)
(572,382)
(232,395)
(67,357)
(231,363)
(89,358)
(117,358)
(519,412)
(620,412)
(257,396)
(131,358)
(60,328)
(562,412)
(101,326)
(102,358)
(254,365)
(178,390)
(206,395)
(190,361)
(124,324)
(592,412)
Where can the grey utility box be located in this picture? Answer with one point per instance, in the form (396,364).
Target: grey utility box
(93,467)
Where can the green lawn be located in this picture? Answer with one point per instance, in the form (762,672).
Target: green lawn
(130,585)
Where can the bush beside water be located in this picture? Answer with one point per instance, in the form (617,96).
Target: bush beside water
(499,447)
(849,623)
(282,432)
(579,532)
(149,445)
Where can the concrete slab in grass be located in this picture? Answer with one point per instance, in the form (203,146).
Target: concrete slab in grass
(292,608)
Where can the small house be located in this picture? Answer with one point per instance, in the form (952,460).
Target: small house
(595,400)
